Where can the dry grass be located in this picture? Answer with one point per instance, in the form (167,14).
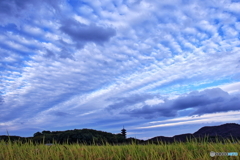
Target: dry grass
(177,151)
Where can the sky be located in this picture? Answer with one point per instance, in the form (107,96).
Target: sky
(158,68)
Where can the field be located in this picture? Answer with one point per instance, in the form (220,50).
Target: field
(177,151)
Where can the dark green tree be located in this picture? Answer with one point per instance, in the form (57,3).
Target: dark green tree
(37,134)
(46,132)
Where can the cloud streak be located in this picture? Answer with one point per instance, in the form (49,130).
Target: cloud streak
(203,102)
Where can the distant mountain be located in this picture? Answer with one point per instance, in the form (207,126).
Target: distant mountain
(228,130)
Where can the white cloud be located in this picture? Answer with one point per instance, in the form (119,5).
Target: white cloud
(234,7)
(231,88)
(153,101)
(32,30)
(81,20)
(217,117)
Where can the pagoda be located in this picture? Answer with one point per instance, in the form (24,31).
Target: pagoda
(124,132)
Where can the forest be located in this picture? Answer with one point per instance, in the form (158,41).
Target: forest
(83,136)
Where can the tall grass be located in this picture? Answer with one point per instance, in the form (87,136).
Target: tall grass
(189,150)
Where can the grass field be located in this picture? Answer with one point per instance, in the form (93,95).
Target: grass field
(191,150)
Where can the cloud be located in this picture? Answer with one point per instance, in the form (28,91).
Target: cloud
(122,102)
(1,98)
(60,114)
(11,7)
(13,11)
(49,54)
(206,101)
(187,120)
(82,33)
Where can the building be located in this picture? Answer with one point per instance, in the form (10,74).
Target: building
(124,132)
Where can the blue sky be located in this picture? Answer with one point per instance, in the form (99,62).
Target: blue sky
(158,68)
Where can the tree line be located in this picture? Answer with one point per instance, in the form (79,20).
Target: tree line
(83,136)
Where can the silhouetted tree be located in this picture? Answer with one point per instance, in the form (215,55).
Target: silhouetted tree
(37,134)
(46,132)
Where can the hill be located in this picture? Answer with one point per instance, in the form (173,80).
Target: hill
(228,130)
